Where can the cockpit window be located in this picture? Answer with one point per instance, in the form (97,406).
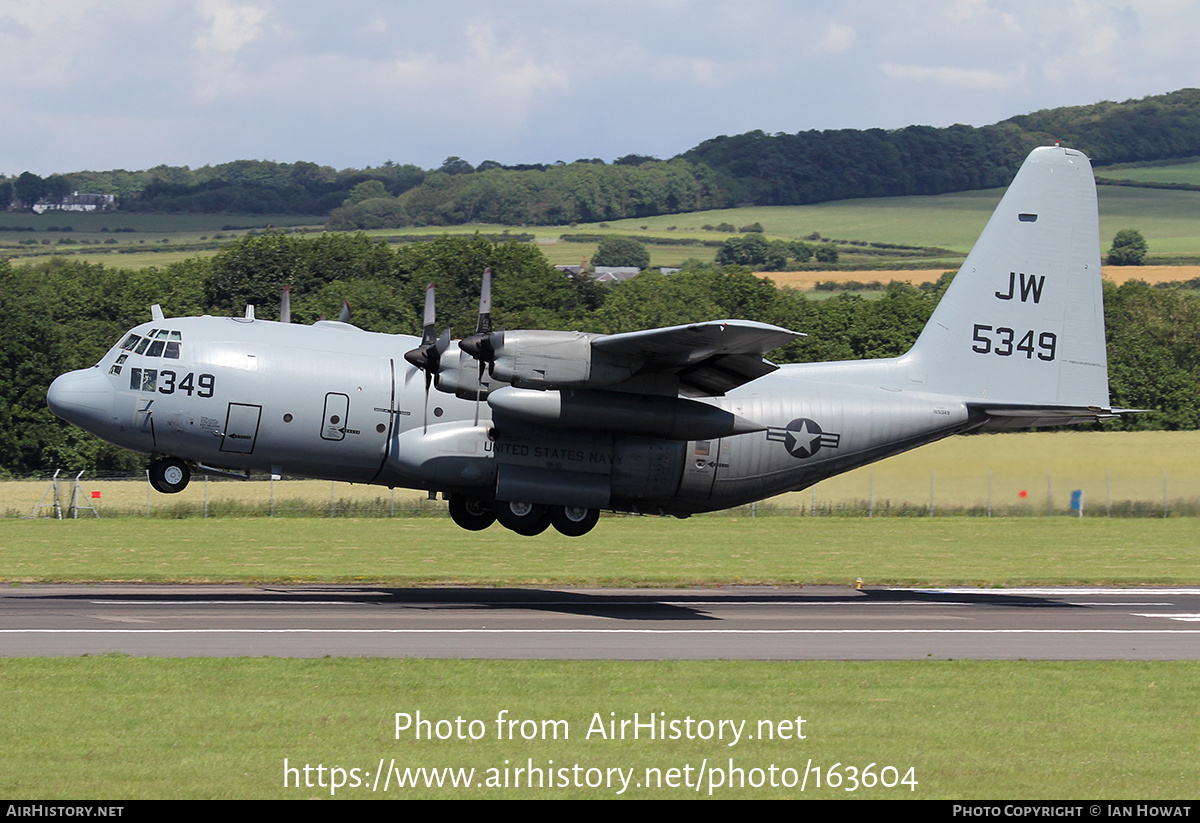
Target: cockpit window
(156,343)
(116,368)
(143,379)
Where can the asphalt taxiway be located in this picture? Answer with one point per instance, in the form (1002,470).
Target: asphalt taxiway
(633,624)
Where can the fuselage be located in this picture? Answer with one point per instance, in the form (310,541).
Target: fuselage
(333,401)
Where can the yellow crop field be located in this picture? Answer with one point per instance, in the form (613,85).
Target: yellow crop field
(1118,274)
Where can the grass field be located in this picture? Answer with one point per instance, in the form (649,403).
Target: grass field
(1185,172)
(121,728)
(620,551)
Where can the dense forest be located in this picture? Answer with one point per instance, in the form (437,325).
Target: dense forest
(748,169)
(63,314)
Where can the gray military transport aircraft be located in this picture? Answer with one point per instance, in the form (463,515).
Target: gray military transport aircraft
(534,428)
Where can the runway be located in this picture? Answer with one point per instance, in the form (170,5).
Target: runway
(759,623)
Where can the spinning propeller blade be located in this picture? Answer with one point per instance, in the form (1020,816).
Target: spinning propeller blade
(428,356)
(480,345)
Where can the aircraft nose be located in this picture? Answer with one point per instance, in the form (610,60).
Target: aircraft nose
(80,396)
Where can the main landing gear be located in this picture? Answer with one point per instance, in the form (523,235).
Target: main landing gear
(471,513)
(529,519)
(169,475)
(574,521)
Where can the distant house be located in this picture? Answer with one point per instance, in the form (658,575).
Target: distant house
(79,202)
(610,274)
(607,274)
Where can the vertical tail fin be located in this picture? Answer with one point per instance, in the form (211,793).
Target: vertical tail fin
(1023,322)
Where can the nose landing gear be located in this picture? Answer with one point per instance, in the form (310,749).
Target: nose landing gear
(169,475)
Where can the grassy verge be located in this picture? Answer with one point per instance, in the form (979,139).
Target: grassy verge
(621,551)
(119,728)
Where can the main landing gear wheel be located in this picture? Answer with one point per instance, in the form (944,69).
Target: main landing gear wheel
(574,521)
(471,513)
(169,475)
(523,518)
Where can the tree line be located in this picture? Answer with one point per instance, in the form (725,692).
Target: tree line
(63,314)
(754,168)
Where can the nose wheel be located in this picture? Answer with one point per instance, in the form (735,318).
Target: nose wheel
(169,475)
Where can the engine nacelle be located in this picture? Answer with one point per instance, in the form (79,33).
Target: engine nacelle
(544,359)
(458,374)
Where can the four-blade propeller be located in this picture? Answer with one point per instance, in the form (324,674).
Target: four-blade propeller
(481,345)
(428,356)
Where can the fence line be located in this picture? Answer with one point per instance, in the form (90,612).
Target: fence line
(984,493)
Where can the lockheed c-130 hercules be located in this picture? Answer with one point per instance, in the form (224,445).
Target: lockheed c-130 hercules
(533,428)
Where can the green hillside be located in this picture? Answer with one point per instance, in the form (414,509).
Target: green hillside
(1166,173)
(751,169)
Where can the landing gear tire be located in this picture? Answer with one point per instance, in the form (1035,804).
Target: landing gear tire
(471,513)
(169,475)
(574,521)
(523,518)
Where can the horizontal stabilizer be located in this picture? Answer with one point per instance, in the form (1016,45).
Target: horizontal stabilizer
(1000,417)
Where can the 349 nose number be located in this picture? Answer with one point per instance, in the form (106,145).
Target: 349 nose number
(202,385)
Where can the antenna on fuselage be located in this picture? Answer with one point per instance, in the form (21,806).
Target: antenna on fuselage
(285,305)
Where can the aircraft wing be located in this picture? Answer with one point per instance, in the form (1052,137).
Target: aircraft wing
(695,360)
(708,358)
